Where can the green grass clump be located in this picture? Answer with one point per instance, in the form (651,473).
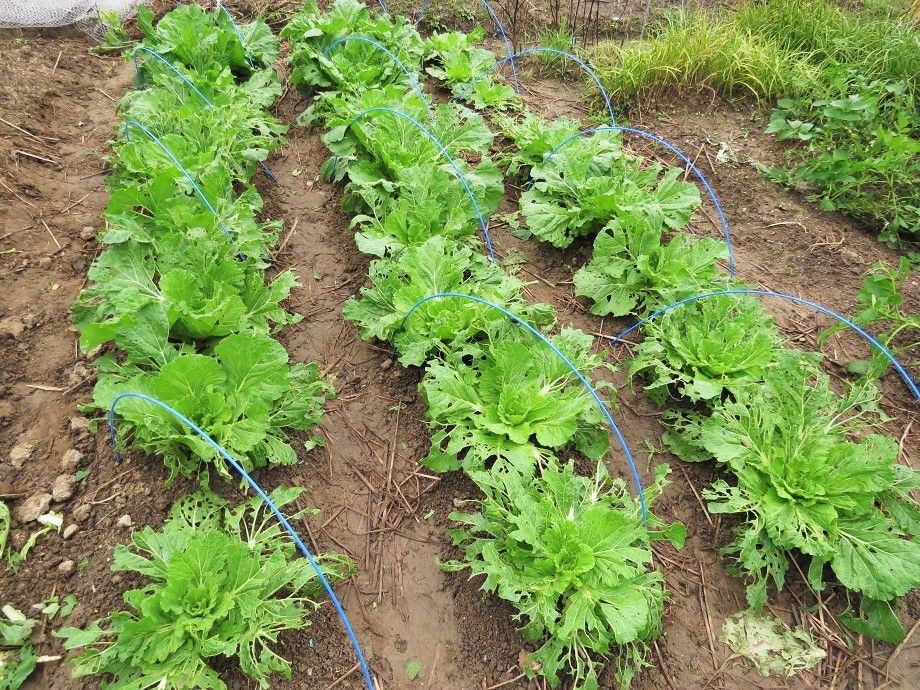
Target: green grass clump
(875,46)
(693,49)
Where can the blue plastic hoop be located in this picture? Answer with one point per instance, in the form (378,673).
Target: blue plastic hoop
(680,154)
(528,51)
(258,489)
(911,385)
(584,381)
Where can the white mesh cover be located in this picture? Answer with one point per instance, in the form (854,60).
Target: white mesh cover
(25,13)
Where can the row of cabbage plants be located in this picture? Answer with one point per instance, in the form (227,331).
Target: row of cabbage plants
(569,549)
(181,321)
(804,470)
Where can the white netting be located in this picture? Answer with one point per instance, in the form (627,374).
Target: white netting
(35,13)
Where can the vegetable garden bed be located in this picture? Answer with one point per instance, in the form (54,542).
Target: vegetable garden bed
(379,505)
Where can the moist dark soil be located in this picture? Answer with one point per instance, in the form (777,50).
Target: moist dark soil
(57,101)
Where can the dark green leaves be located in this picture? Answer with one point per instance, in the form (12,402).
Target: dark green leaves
(858,151)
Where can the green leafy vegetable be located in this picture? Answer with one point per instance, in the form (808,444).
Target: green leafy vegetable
(571,554)
(512,400)
(375,150)
(221,583)
(207,43)
(188,288)
(803,485)
(430,202)
(458,61)
(706,349)
(443,325)
(243,395)
(235,134)
(633,270)
(533,137)
(353,66)
(591,181)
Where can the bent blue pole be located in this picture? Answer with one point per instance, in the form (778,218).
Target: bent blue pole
(680,154)
(261,493)
(165,149)
(584,381)
(399,63)
(501,30)
(139,75)
(911,385)
(188,82)
(528,51)
(427,132)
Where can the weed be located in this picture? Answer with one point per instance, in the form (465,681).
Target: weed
(876,46)
(690,49)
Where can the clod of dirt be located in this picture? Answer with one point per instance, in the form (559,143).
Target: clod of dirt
(11,327)
(79,427)
(20,453)
(71,460)
(63,487)
(66,567)
(387,363)
(125,521)
(6,409)
(88,232)
(81,512)
(32,508)
(69,531)
(80,373)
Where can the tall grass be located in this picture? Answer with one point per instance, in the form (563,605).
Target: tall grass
(692,49)
(876,46)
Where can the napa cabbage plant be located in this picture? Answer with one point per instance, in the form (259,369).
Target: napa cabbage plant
(802,483)
(219,582)
(511,400)
(571,554)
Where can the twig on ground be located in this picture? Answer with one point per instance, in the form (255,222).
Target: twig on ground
(51,233)
(900,647)
(704,605)
(25,201)
(77,202)
(663,667)
(338,681)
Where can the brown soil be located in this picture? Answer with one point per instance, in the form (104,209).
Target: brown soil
(401,605)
